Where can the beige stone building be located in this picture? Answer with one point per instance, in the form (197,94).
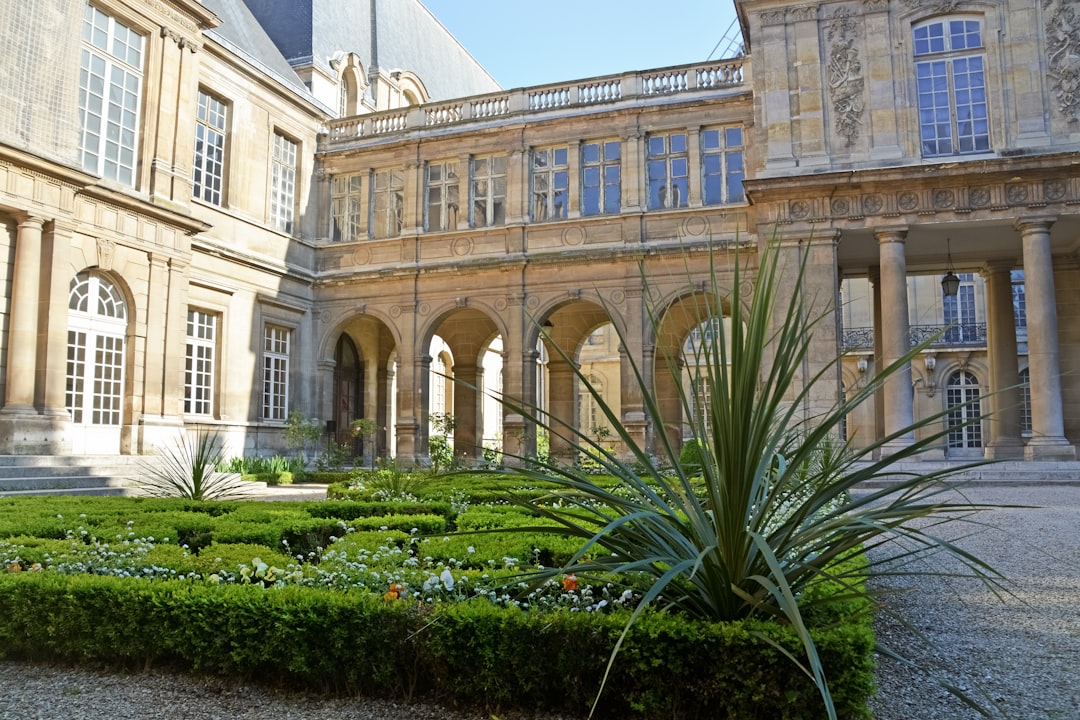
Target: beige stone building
(221,213)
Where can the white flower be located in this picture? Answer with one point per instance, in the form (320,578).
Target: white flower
(447,579)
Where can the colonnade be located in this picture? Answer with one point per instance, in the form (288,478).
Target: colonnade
(1048,441)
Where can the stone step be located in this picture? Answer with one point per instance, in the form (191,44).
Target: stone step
(71,474)
(1010,472)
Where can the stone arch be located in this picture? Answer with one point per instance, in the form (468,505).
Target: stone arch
(467,331)
(412,89)
(680,315)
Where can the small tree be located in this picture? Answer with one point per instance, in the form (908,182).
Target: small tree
(440,449)
(365,429)
(301,432)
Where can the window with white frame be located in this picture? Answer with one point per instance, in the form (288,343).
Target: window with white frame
(667,170)
(601,177)
(97,322)
(722,165)
(951,83)
(110,90)
(345,208)
(550,183)
(962,395)
(387,201)
(200,362)
(283,183)
(960,312)
(488,176)
(441,189)
(210,133)
(275,395)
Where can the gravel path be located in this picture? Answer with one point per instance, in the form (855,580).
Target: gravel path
(1021,654)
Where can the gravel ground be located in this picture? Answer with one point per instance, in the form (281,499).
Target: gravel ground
(1019,654)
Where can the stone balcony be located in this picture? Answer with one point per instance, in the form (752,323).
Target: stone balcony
(677,83)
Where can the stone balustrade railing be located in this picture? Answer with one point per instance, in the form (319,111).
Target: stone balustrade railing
(666,82)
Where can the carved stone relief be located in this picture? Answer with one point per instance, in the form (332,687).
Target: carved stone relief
(932,7)
(958,199)
(845,76)
(1063,48)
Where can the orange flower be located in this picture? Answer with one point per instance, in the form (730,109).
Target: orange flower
(569,582)
(15,567)
(394,593)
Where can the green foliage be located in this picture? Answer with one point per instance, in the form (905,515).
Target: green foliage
(465,653)
(690,457)
(764,516)
(301,433)
(256,465)
(440,447)
(188,469)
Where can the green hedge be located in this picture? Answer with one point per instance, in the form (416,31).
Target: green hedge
(471,653)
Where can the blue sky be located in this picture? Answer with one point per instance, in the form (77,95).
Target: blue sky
(533,43)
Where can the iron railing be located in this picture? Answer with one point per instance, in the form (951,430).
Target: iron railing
(961,335)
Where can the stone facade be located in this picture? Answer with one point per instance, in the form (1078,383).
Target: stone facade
(235,247)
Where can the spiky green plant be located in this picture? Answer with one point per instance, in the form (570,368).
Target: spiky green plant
(188,469)
(768,510)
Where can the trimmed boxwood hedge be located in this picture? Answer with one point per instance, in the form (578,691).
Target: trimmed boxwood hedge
(472,653)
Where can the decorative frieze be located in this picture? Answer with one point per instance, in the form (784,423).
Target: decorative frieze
(804,13)
(845,76)
(773,17)
(1063,54)
(932,7)
(959,200)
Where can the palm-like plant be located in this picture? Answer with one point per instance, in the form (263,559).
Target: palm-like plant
(769,512)
(188,470)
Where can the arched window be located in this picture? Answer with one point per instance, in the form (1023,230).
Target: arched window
(962,400)
(97,323)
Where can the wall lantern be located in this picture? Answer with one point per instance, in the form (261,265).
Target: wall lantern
(950,282)
(862,364)
(931,362)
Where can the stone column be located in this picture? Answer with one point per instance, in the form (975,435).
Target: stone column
(412,212)
(1047,423)
(574,170)
(412,383)
(633,190)
(632,398)
(562,406)
(23,332)
(895,336)
(1004,397)
(879,353)
(467,410)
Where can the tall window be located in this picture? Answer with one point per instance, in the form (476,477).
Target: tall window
(275,395)
(951,87)
(209,162)
(387,201)
(550,183)
(110,87)
(962,399)
(722,166)
(667,170)
(1019,304)
(283,184)
(601,177)
(960,312)
(199,362)
(345,208)
(488,191)
(441,187)
(1025,402)
(97,321)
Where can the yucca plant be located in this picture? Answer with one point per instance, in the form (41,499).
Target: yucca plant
(188,469)
(767,509)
